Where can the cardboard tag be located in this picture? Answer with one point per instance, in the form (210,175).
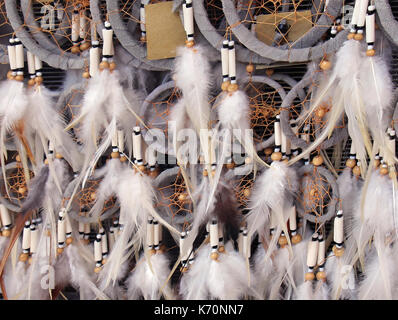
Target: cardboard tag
(164,31)
(299,23)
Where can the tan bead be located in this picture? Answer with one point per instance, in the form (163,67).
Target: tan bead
(351,36)
(213,173)
(309,276)
(338,252)
(230,165)
(75,49)
(318,160)
(104,65)
(190,43)
(115,155)
(84,46)
(153,173)
(356,171)
(268,151)
(141,168)
(325,65)
(321,276)
(152,252)
(86,75)
(104,261)
(320,113)
(60,250)
(282,241)
(6,233)
(58,156)
(31,82)
(221,249)
(233,87)
(296,238)
(123,159)
(351,163)
(269,72)
(340,28)
(39,80)
(93,195)
(112,66)
(249,68)
(143,39)
(214,256)
(23,257)
(19,77)
(97,269)
(184,269)
(358,36)
(46,161)
(247,192)
(370,52)
(383,170)
(10,75)
(276,156)
(22,190)
(205,173)
(69,240)
(376,163)
(225,85)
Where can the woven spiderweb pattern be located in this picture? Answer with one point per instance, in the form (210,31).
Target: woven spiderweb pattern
(175,202)
(315,194)
(85,198)
(16,184)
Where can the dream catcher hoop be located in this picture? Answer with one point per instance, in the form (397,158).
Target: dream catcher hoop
(56,60)
(305,49)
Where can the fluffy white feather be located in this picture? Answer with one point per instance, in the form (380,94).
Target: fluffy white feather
(305,291)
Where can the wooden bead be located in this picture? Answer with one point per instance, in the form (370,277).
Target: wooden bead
(221,249)
(230,165)
(338,252)
(318,160)
(6,233)
(356,171)
(93,195)
(233,87)
(46,161)
(39,80)
(213,173)
(141,168)
(350,163)
(153,173)
(58,156)
(31,82)
(370,52)
(115,155)
(22,190)
(358,36)
(351,36)
(296,238)
(276,156)
(376,163)
(23,257)
(60,250)
(249,68)
(247,192)
(224,85)
(268,151)
(282,241)
(123,159)
(205,173)
(84,46)
(86,75)
(269,72)
(75,49)
(325,65)
(104,261)
(383,170)
(97,269)
(189,43)
(321,276)
(112,66)
(143,39)
(214,256)
(69,240)
(340,28)
(184,269)
(104,65)
(10,75)
(309,276)
(19,77)
(152,252)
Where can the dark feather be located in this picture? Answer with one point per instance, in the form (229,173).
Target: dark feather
(36,191)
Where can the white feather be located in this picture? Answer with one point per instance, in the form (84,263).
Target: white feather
(305,291)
